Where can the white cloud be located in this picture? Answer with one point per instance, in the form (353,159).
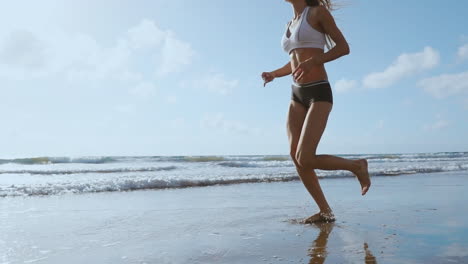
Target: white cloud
(177,123)
(125,109)
(380,124)
(217,121)
(22,49)
(78,56)
(146,35)
(175,55)
(463,52)
(143,89)
(405,65)
(217,83)
(171,99)
(343,85)
(464,38)
(90,61)
(407,102)
(75,57)
(446,84)
(438,124)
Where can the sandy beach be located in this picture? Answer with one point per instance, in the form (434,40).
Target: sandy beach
(418,218)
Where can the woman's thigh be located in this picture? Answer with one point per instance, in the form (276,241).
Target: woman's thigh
(312,130)
(296,115)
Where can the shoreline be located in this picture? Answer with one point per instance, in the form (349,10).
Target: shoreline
(226,182)
(411,219)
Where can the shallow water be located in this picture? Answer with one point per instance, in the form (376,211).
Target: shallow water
(61,175)
(408,219)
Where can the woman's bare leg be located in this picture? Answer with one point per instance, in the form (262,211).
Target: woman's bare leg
(296,116)
(312,130)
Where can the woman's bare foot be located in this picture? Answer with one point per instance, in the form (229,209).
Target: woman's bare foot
(363,176)
(320,218)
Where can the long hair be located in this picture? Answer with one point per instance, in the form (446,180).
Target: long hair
(328,5)
(325,3)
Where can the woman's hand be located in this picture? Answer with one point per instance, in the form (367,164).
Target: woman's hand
(304,67)
(268,77)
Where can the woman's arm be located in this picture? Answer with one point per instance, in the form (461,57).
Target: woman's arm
(270,76)
(328,24)
(283,71)
(341,45)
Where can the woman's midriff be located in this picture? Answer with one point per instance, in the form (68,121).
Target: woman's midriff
(316,73)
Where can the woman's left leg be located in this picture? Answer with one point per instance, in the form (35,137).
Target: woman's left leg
(312,130)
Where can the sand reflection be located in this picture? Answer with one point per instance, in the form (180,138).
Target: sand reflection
(318,251)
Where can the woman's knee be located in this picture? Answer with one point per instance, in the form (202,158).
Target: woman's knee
(294,159)
(305,160)
(293,156)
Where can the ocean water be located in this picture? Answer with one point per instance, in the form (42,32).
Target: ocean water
(60,175)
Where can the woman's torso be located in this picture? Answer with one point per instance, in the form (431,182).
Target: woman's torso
(299,55)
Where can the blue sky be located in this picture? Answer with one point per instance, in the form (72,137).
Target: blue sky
(183,78)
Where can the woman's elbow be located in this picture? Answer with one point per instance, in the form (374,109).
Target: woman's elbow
(345,49)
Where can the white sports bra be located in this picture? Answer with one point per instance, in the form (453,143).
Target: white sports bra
(302,35)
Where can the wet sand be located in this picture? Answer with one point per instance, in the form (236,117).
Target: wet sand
(419,218)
